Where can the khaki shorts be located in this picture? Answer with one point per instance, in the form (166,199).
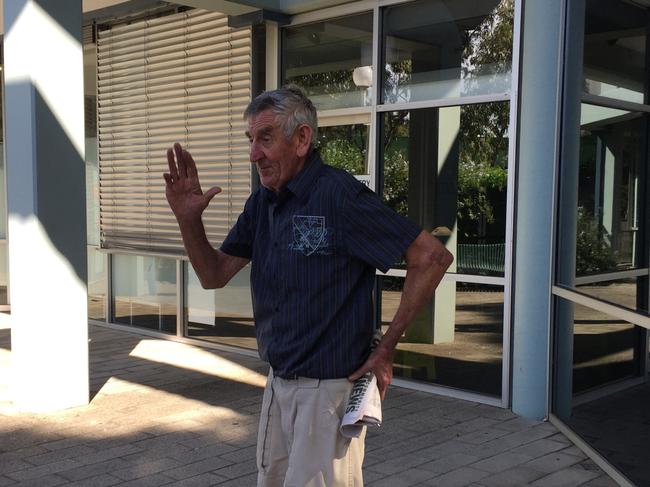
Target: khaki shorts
(299,444)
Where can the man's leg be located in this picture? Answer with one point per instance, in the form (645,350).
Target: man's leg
(272,454)
(319,455)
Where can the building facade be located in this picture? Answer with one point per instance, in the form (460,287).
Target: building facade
(516,131)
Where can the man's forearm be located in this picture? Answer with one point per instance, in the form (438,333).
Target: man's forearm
(204,258)
(426,266)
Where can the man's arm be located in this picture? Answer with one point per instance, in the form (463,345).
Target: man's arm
(426,262)
(213,267)
(187,200)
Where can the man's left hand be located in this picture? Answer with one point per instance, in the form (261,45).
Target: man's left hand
(380,363)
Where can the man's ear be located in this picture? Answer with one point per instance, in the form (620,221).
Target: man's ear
(304,134)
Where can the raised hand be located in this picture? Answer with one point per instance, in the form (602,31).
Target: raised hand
(183,189)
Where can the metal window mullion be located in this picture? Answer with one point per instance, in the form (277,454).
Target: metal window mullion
(109,311)
(610,276)
(510,207)
(613,310)
(603,101)
(180,299)
(444,102)
(337,11)
(373,134)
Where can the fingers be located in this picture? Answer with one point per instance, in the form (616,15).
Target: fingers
(168,178)
(190,165)
(383,387)
(180,160)
(211,193)
(173,171)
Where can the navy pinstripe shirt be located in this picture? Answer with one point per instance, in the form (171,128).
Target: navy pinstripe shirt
(314,249)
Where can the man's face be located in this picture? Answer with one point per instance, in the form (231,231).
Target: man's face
(277,158)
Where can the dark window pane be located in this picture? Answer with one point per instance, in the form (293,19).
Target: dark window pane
(615,49)
(595,353)
(608,236)
(446,48)
(604,349)
(331,60)
(456,341)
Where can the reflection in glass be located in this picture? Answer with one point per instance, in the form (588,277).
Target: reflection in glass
(3,189)
(331,60)
(4,273)
(96,284)
(609,218)
(446,168)
(615,49)
(144,292)
(611,152)
(221,315)
(456,341)
(446,48)
(603,351)
(345,147)
(624,292)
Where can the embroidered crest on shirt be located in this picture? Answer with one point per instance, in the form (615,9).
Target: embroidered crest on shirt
(309,234)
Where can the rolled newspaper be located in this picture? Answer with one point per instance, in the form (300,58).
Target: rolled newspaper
(364,403)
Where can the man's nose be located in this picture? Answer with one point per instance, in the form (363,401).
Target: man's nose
(255,154)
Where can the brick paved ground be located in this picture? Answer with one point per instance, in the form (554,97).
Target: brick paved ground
(165,413)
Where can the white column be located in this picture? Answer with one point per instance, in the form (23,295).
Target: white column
(448,154)
(44,129)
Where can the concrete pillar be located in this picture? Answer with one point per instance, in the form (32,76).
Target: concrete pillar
(544,69)
(44,128)
(432,202)
(447,209)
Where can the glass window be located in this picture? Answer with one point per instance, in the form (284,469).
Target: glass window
(3,189)
(604,349)
(446,48)
(609,221)
(594,351)
(331,60)
(4,273)
(97,280)
(345,147)
(615,49)
(456,341)
(144,292)
(223,315)
(446,169)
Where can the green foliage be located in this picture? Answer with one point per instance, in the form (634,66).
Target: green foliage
(594,253)
(484,127)
(396,161)
(345,147)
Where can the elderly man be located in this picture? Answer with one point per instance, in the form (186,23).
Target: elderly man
(315,236)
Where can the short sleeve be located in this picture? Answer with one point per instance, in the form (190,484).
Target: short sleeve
(375,233)
(239,241)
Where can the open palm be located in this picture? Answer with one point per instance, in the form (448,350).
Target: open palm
(183,189)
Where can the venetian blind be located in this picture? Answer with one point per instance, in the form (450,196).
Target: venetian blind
(184,77)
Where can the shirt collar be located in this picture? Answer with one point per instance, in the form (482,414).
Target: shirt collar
(302,184)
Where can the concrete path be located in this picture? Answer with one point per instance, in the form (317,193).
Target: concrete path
(166,413)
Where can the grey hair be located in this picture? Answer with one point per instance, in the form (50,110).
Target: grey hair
(291,106)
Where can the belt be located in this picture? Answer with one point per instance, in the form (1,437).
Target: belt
(287,376)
